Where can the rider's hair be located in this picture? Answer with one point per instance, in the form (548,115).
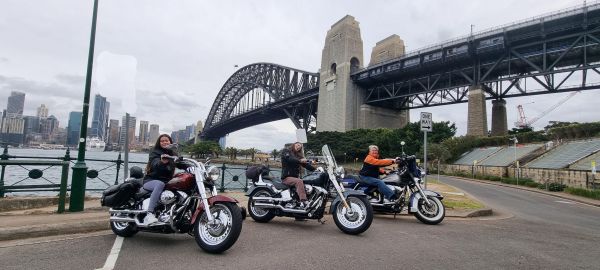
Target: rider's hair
(297,154)
(373,147)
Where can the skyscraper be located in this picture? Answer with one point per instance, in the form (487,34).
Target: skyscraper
(153,134)
(113,131)
(100,118)
(131,131)
(48,126)
(143,136)
(73,128)
(16,102)
(42,111)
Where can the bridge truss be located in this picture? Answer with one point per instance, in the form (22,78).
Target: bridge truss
(261,93)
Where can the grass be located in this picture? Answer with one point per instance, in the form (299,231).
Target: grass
(592,194)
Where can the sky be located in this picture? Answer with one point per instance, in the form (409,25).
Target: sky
(165,61)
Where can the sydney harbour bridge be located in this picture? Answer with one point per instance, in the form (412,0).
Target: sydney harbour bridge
(553,53)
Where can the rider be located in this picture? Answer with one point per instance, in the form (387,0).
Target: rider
(159,171)
(371,170)
(291,160)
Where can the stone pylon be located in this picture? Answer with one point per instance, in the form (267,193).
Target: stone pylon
(477,117)
(499,122)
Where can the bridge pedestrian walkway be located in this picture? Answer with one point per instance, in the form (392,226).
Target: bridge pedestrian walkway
(566,154)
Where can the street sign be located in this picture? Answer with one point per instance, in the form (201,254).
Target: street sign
(301,135)
(426,122)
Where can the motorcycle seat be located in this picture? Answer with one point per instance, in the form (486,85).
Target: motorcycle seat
(278,184)
(142,193)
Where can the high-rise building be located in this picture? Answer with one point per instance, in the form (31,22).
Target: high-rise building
(113,131)
(73,128)
(153,134)
(12,128)
(100,118)
(131,131)
(42,111)
(16,103)
(48,126)
(198,131)
(189,132)
(143,136)
(31,129)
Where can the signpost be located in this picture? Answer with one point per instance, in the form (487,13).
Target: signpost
(426,126)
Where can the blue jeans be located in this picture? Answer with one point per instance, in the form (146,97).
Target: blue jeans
(156,186)
(383,188)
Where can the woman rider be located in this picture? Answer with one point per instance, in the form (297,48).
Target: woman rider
(291,160)
(159,171)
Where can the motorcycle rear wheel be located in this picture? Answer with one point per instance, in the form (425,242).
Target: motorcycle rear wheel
(356,222)
(221,236)
(123,229)
(430,214)
(261,215)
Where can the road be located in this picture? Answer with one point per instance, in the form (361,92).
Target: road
(529,231)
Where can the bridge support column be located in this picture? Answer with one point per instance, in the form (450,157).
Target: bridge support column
(499,122)
(477,121)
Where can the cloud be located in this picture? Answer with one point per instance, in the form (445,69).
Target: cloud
(3,60)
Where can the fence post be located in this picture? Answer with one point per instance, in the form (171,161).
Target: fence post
(222,189)
(4,156)
(119,162)
(64,177)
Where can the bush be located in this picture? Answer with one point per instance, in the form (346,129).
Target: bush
(533,184)
(556,187)
(594,194)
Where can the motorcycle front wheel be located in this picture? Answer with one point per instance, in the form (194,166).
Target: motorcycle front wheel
(430,214)
(221,234)
(356,221)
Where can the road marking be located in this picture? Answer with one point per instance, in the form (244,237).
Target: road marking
(455,193)
(565,202)
(113,255)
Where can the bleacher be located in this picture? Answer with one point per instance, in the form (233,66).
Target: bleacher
(586,163)
(566,154)
(506,156)
(478,154)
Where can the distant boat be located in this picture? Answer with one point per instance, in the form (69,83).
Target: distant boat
(94,144)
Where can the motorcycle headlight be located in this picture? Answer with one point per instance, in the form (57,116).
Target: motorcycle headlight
(341,171)
(213,173)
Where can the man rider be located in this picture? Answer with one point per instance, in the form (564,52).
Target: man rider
(371,170)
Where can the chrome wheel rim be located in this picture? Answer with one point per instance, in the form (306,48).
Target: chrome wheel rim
(214,233)
(259,211)
(351,219)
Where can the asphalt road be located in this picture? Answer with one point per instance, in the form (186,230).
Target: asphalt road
(530,231)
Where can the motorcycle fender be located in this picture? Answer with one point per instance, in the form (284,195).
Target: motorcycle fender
(250,190)
(414,199)
(211,201)
(346,193)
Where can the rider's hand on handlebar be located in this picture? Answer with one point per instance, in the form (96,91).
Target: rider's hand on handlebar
(164,158)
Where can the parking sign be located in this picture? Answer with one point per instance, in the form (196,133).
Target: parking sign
(426,122)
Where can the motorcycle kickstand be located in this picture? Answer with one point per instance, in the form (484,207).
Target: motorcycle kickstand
(321,221)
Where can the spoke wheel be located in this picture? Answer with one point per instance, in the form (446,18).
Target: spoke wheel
(353,221)
(220,234)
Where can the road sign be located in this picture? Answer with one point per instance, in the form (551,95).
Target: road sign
(301,135)
(426,122)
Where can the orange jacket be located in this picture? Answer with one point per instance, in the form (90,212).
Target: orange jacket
(372,166)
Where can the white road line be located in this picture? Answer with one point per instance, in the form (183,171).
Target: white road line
(565,202)
(113,255)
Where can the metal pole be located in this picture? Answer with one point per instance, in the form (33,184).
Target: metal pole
(222,189)
(80,168)
(126,164)
(4,156)
(119,161)
(516,163)
(425,158)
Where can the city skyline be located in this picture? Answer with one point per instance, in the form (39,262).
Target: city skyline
(171,78)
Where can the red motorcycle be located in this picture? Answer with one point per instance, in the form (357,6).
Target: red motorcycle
(214,220)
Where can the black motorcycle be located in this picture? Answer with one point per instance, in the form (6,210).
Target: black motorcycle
(351,211)
(406,181)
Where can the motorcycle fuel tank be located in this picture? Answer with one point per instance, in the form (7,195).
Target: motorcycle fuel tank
(181,181)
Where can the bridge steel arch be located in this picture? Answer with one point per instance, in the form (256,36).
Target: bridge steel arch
(261,93)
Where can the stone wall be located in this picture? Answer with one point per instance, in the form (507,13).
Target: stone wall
(571,178)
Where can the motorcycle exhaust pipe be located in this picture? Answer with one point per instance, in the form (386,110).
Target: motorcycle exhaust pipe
(126,212)
(268,199)
(121,219)
(289,210)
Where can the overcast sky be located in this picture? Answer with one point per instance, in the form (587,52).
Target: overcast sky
(165,61)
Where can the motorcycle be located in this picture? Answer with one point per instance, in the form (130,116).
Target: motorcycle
(351,211)
(425,205)
(215,221)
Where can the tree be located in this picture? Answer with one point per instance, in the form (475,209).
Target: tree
(275,153)
(231,152)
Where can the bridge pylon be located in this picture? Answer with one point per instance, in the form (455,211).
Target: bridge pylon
(341,102)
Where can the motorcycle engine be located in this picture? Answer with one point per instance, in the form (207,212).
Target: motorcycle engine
(167,197)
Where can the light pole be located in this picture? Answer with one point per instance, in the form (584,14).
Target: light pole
(402,143)
(80,169)
(514,139)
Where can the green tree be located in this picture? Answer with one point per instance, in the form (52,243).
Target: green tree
(203,148)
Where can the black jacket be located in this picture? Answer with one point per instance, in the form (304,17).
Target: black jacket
(156,170)
(290,165)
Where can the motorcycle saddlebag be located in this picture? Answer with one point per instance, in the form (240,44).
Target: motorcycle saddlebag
(118,195)
(254,172)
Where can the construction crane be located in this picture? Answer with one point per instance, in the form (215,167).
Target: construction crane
(523,123)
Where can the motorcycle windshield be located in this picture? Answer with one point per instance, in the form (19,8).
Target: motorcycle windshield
(329,159)
(413,169)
